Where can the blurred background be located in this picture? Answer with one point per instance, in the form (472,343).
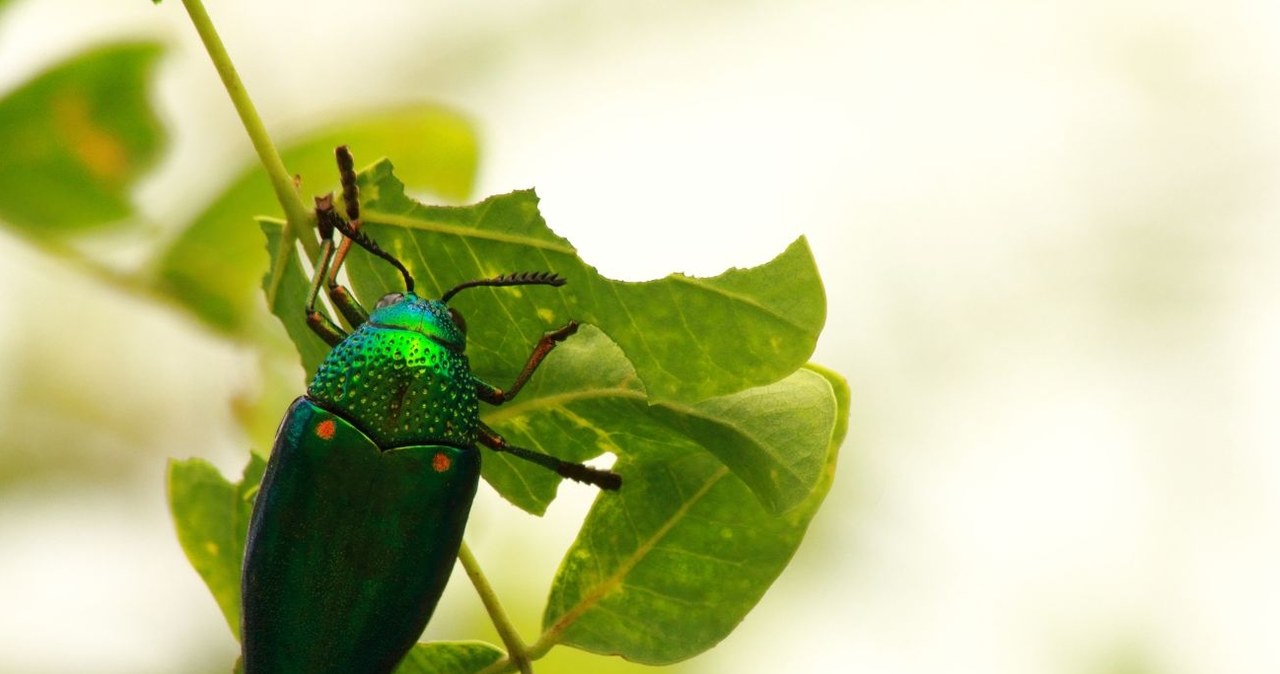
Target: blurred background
(1047,235)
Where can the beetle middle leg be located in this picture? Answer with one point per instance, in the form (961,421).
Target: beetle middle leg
(496,396)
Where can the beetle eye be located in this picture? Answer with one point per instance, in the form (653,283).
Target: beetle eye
(388,300)
(457,320)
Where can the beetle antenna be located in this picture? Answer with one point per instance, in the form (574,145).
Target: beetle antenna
(347,177)
(523,278)
(328,218)
(366,242)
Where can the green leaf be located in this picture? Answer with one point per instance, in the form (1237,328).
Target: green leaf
(774,438)
(214,267)
(449,657)
(588,390)
(212,518)
(665,568)
(586,400)
(717,490)
(75,139)
(689,338)
(287,294)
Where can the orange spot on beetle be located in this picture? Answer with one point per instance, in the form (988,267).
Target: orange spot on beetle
(441,462)
(325,429)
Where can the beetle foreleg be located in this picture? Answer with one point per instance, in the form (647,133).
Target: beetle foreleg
(330,261)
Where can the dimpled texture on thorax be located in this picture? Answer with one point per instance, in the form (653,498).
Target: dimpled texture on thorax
(400,387)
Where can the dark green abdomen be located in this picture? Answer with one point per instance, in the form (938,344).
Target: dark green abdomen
(349,546)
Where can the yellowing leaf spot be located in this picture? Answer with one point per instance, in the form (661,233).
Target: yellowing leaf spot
(211,548)
(100,151)
(546,315)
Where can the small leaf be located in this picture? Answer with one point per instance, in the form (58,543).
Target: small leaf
(449,657)
(215,266)
(689,338)
(75,139)
(665,568)
(212,518)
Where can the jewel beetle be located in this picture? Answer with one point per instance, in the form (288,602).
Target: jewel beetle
(361,509)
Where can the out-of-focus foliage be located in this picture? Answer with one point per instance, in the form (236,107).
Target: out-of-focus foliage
(75,139)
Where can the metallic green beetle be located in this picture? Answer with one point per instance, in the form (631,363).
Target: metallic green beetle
(362,507)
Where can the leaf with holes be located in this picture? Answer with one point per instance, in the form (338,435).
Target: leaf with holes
(688,338)
(725,454)
(589,387)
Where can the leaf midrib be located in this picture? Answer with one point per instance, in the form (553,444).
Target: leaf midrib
(551,402)
(465,232)
(552,634)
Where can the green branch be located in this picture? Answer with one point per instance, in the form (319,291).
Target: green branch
(516,652)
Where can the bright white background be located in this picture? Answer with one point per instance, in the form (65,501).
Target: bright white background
(1053,275)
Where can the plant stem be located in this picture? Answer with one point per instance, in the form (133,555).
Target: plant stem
(297,215)
(516,652)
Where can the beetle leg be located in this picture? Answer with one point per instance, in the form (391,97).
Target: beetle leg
(496,396)
(319,323)
(343,300)
(350,199)
(332,257)
(327,220)
(603,479)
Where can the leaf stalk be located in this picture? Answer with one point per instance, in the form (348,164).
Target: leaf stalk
(517,653)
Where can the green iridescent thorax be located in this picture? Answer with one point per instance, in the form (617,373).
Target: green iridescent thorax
(402,377)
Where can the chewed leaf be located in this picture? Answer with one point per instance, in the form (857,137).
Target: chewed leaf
(75,140)
(589,392)
(688,338)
